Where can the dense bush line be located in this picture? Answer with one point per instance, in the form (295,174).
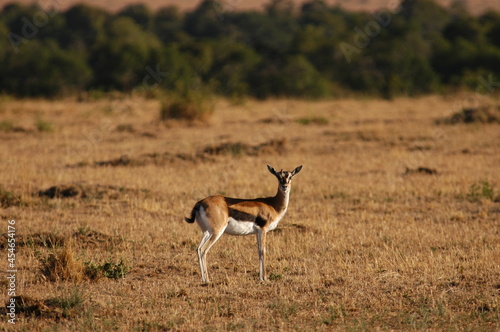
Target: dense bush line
(311,51)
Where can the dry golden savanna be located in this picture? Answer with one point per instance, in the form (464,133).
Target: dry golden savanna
(393,222)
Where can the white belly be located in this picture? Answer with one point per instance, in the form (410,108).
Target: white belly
(273,225)
(235,227)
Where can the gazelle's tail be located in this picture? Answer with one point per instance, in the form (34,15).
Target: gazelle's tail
(193,213)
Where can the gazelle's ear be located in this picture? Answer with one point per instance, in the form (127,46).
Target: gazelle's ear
(272,170)
(296,170)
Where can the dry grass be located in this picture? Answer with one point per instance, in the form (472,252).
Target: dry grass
(369,242)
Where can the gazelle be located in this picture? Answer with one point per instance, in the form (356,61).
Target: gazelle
(217,215)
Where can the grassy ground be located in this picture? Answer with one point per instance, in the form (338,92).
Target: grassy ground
(371,240)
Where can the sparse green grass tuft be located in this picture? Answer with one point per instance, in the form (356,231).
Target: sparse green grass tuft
(43,126)
(69,304)
(317,120)
(6,126)
(9,198)
(107,269)
(275,276)
(481,190)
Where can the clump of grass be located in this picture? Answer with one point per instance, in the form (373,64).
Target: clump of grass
(62,265)
(43,126)
(312,120)
(69,304)
(6,126)
(193,106)
(9,198)
(478,191)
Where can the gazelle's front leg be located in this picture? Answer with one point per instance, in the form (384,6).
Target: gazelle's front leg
(261,244)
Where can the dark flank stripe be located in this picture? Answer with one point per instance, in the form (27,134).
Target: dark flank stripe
(261,222)
(243,216)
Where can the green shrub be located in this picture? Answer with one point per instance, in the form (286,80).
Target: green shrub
(189,106)
(108,269)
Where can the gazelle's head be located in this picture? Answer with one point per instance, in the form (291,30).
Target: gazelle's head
(284,177)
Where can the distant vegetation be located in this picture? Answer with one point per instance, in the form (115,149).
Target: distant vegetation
(311,51)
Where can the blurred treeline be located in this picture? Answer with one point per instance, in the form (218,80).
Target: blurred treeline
(308,51)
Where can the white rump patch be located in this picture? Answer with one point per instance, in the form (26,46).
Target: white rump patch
(202,220)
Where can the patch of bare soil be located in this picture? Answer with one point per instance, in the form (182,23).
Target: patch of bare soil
(483,114)
(44,239)
(294,228)
(239,149)
(158,159)
(82,237)
(234,149)
(275,120)
(359,135)
(30,307)
(79,190)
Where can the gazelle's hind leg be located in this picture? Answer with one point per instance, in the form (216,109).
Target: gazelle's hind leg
(201,255)
(212,231)
(208,240)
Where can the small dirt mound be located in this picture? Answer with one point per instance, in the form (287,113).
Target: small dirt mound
(55,308)
(420,170)
(62,191)
(206,154)
(239,149)
(91,238)
(29,307)
(155,158)
(88,191)
(121,161)
(83,237)
(48,240)
(45,239)
(484,114)
(275,120)
(294,227)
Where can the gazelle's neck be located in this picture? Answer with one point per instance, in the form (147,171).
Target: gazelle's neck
(282,197)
